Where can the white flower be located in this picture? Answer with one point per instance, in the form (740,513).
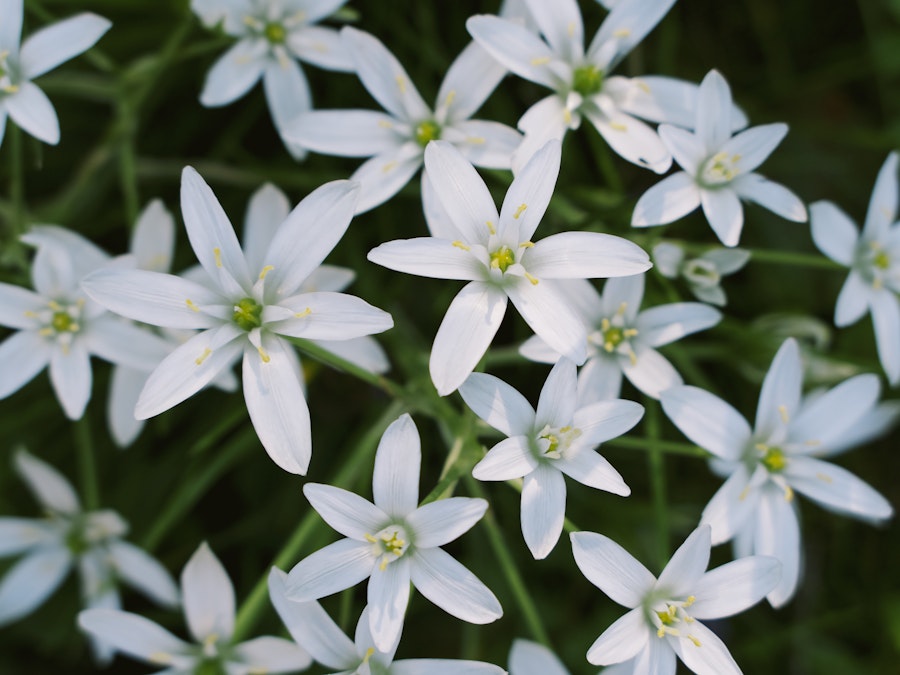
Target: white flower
(665,612)
(66,537)
(873,257)
(21,99)
(621,340)
(496,256)
(765,465)
(542,446)
(718,170)
(396,139)
(393,542)
(272,34)
(530,658)
(208,597)
(244,308)
(581,81)
(703,273)
(318,634)
(60,327)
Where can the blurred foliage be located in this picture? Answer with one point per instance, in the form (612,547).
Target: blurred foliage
(131,120)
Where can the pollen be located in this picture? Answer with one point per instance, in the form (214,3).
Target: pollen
(305,312)
(191,305)
(451,96)
(385,124)
(476,140)
(161,657)
(520,211)
(217,252)
(200,359)
(881,260)
(388,167)
(533,279)
(824,478)
(622,33)
(694,640)
(490,226)
(458,244)
(265,270)
(587,80)
(618,126)
(264,355)
(773,458)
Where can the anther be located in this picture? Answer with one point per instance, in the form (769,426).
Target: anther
(519,210)
(217,252)
(200,359)
(265,270)
(458,244)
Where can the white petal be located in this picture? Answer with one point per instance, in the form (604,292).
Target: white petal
(439,222)
(686,148)
(883,204)
(70,375)
(833,232)
(208,596)
(143,572)
(331,569)
(388,595)
(670,199)
(561,26)
(531,658)
(548,314)
(768,194)
(321,46)
(385,174)
(365,642)
(233,74)
(611,568)
(383,76)
(271,655)
(330,316)
(661,325)
(287,93)
(687,564)
(20,534)
(31,581)
(30,108)
(346,133)
(395,481)
(754,145)
(17,305)
(470,79)
(59,42)
(273,391)
(872,425)
(22,356)
(777,534)
(632,140)
(734,587)
(498,404)
(556,405)
(153,238)
(124,343)
(428,257)
(486,144)
(268,208)
(50,487)
(11,28)
(465,334)
(600,379)
(837,489)
(834,412)
(527,198)
(731,505)
(535,349)
(510,458)
(516,47)
(346,512)
(543,509)
(885,308)
(585,255)
(779,398)
(707,420)
(710,658)
(364,352)
(440,522)
(622,640)
(605,420)
(724,212)
(657,657)
(591,469)
(714,106)
(448,584)
(136,636)
(179,376)
(626,25)
(650,371)
(853,300)
(621,294)
(545,121)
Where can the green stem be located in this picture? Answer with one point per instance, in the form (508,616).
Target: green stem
(321,354)
(648,444)
(87,467)
(128,162)
(508,565)
(793,258)
(656,460)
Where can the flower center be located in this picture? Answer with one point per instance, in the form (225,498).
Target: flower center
(553,441)
(389,544)
(772,457)
(666,620)
(502,258)
(702,273)
(612,335)
(275,33)
(587,80)
(247,314)
(719,169)
(60,321)
(427,131)
(63,322)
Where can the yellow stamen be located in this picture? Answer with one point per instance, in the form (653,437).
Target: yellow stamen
(217,252)
(390,166)
(55,306)
(161,658)
(490,226)
(630,332)
(540,61)
(401,83)
(29,314)
(451,95)
(526,244)
(532,279)
(824,478)
(200,359)
(622,33)
(305,312)
(618,126)
(694,640)
(459,244)
(788,493)
(643,86)
(265,271)
(476,140)
(191,305)
(384,124)
(783,411)
(520,210)
(45,332)
(263,355)
(567,116)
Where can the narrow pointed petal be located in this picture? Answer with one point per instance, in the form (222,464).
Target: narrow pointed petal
(288,96)
(330,316)
(604,420)
(395,482)
(754,145)
(440,224)
(345,133)
(874,424)
(627,24)
(17,305)
(11,26)
(208,596)
(686,148)
(364,352)
(527,198)
(883,204)
(22,356)
(543,509)
(837,489)
(663,324)
(514,46)
(452,587)
(777,534)
(30,108)
(707,420)
(331,569)
(385,174)
(535,349)
(441,522)
(444,667)
(486,144)
(710,658)
(620,294)
(268,208)
(724,212)
(31,581)
(428,257)
(548,314)
(779,399)
(669,200)
(388,595)
(713,121)
(530,658)
(365,642)
(687,564)
(886,319)
(465,334)
(138,637)
(834,412)
(657,657)
(51,46)
(561,25)
(622,640)
(346,512)
(591,469)
(770,195)
(70,375)
(650,371)
(510,458)
(321,47)
(498,404)
(585,255)
(233,74)
(470,79)
(731,506)
(124,343)
(632,140)
(853,300)
(611,568)
(143,572)
(153,238)
(50,487)
(269,654)
(833,232)
(20,534)
(734,587)
(545,121)
(600,379)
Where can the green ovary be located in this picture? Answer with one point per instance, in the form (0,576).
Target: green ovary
(774,459)
(427,131)
(247,314)
(209,667)
(587,80)
(881,260)
(275,33)
(62,322)
(502,258)
(612,338)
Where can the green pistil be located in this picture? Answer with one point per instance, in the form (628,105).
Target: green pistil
(881,260)
(62,322)
(275,33)
(211,666)
(554,443)
(502,258)
(587,80)
(247,314)
(75,542)
(427,131)
(612,338)
(774,459)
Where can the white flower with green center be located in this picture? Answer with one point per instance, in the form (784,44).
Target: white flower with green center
(542,446)
(394,542)
(666,614)
(719,170)
(623,340)
(243,309)
(396,139)
(495,254)
(209,607)
(273,35)
(873,257)
(69,536)
(782,454)
(319,635)
(582,81)
(703,273)
(50,47)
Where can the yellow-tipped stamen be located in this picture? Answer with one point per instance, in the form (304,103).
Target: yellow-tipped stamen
(46,332)
(604,324)
(458,244)
(55,306)
(540,61)
(385,124)
(490,226)
(643,86)
(630,332)
(451,95)
(200,359)
(531,278)
(191,305)
(526,244)
(387,168)
(265,270)
(622,33)
(161,658)
(632,356)
(29,314)
(263,354)
(618,126)
(476,140)
(401,83)
(519,211)
(783,411)
(567,116)
(812,442)
(305,312)
(824,478)
(217,252)
(694,640)
(788,493)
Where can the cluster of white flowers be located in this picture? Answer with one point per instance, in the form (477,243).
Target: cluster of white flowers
(261,299)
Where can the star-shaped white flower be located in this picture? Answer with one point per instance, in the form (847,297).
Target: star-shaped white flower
(318,634)
(59,326)
(209,606)
(496,256)
(623,340)
(69,536)
(581,80)
(873,257)
(396,139)
(273,35)
(244,308)
(394,541)
(20,98)
(542,446)
(765,465)
(718,170)
(664,620)
(703,273)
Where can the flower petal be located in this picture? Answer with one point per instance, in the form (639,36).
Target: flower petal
(345,133)
(754,145)
(622,640)
(440,522)
(585,255)
(153,238)
(470,79)
(17,305)
(605,420)
(452,587)
(233,74)
(724,212)
(136,636)
(730,507)
(707,421)
(498,404)
(22,356)
(768,194)
(834,412)
(543,509)
(663,324)
(395,481)
(268,208)
(777,534)
(486,144)
(21,534)
(837,489)
(31,581)
(547,312)
(428,257)
(833,232)
(883,204)
(530,658)
(885,307)
(591,469)
(321,46)
(50,487)
(269,654)
(70,375)
(514,46)
(51,46)
(650,371)
(346,512)
(710,658)
(330,316)
(143,572)
(686,148)
(124,343)
(734,587)
(561,26)
(529,194)
(626,25)
(713,121)
(611,568)
(670,199)
(385,174)
(632,139)
(779,399)
(208,596)
(287,93)
(545,121)
(388,596)
(600,379)
(510,458)
(11,28)
(556,405)
(687,564)
(30,108)
(331,569)
(853,300)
